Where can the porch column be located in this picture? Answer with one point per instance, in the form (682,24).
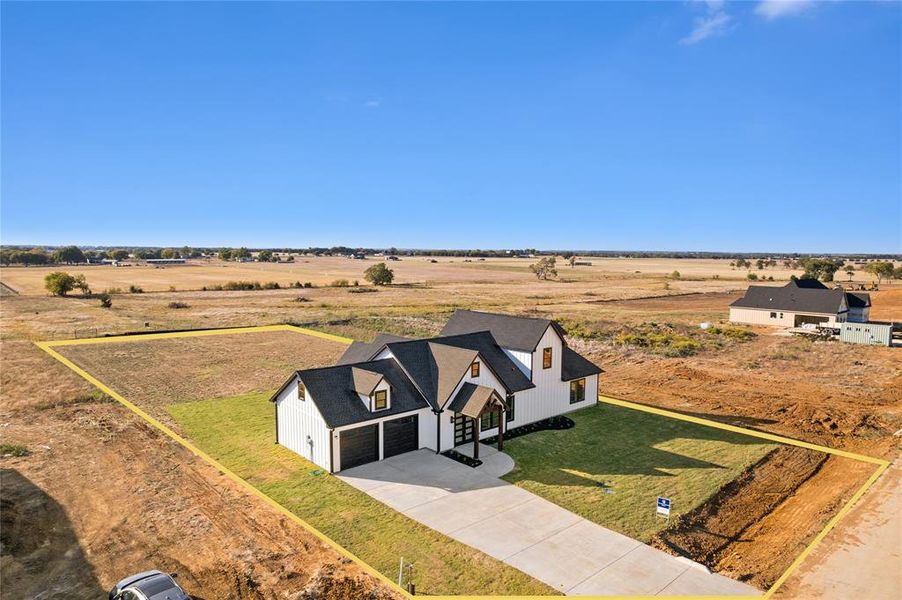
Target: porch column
(475,438)
(500,429)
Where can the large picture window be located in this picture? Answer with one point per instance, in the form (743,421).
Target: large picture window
(577,390)
(380,400)
(546,358)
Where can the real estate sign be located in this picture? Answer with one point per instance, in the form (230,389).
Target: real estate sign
(663,507)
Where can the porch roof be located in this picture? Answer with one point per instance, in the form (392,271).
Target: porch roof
(471,399)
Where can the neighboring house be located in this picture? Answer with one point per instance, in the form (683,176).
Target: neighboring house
(799,302)
(483,375)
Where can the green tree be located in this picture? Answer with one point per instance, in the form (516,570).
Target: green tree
(118,254)
(69,255)
(264,256)
(820,268)
(81,285)
(879,269)
(241,253)
(897,272)
(760,264)
(850,271)
(742,263)
(225,254)
(59,283)
(379,274)
(545,268)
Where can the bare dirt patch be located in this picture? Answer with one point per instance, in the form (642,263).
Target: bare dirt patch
(116,497)
(156,373)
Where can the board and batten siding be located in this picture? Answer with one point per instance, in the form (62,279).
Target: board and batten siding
(298,419)
(521,359)
(486,378)
(551,396)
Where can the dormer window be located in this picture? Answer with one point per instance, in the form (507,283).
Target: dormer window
(380,400)
(302,390)
(474,369)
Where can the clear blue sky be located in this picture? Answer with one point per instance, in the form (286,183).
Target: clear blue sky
(681,125)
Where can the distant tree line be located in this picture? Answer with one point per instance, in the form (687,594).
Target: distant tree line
(74,255)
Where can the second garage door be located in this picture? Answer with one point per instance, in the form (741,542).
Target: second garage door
(359,446)
(401,435)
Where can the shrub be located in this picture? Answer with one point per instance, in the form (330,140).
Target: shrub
(675,275)
(752,276)
(134,289)
(106,301)
(307,284)
(13,450)
(302,299)
(242,285)
(171,288)
(736,333)
(177,305)
(667,343)
(340,283)
(362,290)
(271,285)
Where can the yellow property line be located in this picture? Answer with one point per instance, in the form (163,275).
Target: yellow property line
(48,347)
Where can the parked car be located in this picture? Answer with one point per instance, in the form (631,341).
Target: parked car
(149,585)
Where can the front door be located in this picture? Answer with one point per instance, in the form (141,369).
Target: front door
(463,429)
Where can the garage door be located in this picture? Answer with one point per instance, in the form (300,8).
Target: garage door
(359,446)
(401,435)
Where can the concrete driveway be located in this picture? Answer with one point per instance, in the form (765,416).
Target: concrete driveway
(540,538)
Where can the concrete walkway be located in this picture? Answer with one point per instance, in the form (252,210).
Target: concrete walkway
(553,545)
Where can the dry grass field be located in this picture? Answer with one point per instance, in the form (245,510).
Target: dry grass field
(837,395)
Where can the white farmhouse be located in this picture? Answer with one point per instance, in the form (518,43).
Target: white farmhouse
(800,302)
(484,374)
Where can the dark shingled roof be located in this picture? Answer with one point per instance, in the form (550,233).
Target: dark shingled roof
(792,299)
(429,363)
(811,284)
(363,351)
(574,366)
(858,299)
(472,398)
(500,363)
(332,390)
(514,333)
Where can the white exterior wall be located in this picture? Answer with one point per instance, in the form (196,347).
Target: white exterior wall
(551,396)
(299,419)
(521,359)
(426,433)
(486,378)
(858,315)
(756,316)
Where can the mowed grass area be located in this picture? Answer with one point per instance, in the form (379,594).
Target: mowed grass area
(637,455)
(239,432)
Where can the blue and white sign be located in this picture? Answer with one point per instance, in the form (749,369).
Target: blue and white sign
(663,507)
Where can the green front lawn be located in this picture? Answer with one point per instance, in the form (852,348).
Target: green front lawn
(640,456)
(239,431)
